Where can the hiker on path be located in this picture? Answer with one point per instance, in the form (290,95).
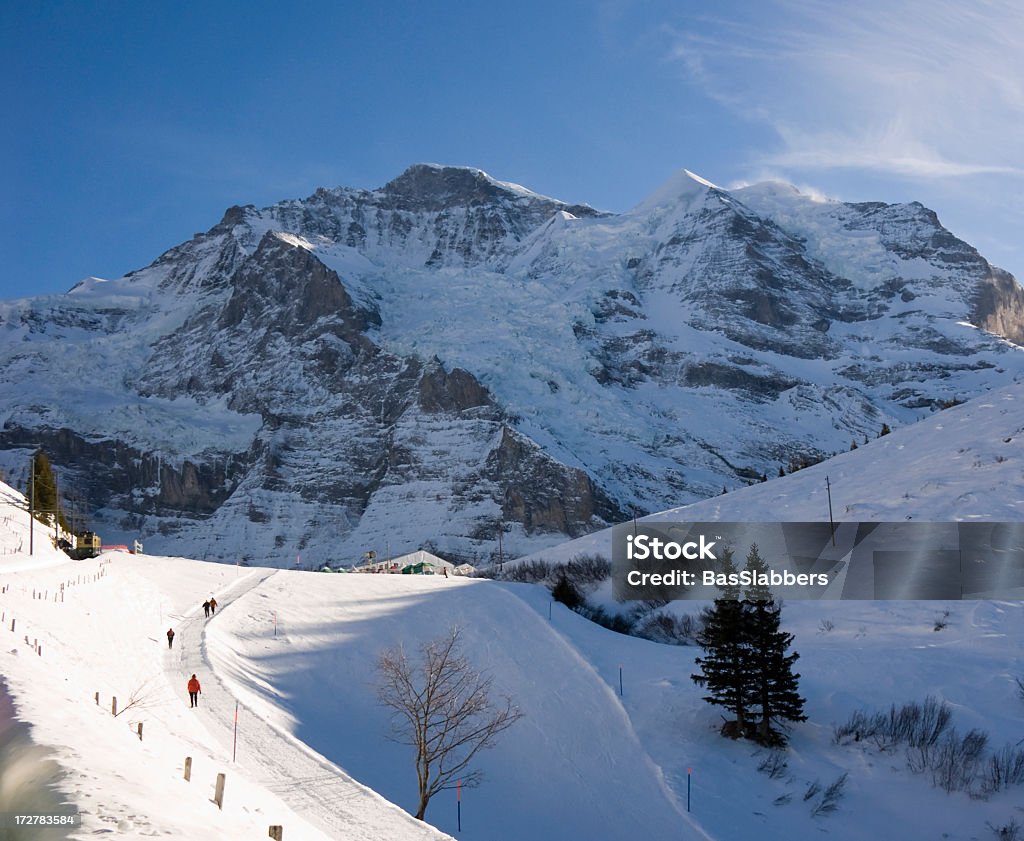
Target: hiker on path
(170,637)
(206,608)
(194,691)
(213,606)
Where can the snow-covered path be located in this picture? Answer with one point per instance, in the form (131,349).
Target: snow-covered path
(311,785)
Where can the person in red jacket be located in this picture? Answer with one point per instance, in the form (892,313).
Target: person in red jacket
(170,637)
(194,690)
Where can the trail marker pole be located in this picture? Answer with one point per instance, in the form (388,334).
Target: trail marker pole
(620,680)
(234,743)
(458,802)
(688,772)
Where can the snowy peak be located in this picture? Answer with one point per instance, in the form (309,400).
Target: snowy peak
(682,189)
(432,187)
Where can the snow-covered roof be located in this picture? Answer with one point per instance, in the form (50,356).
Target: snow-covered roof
(422,557)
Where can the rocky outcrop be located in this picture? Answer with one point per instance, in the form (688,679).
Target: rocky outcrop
(999,306)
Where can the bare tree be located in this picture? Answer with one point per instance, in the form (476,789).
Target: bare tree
(441,706)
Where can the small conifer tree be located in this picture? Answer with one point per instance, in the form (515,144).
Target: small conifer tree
(43,485)
(746,667)
(774,684)
(723,668)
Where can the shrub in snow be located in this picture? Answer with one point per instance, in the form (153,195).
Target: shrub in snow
(669,629)
(956,762)
(830,798)
(774,764)
(1005,768)
(528,572)
(812,790)
(1006,832)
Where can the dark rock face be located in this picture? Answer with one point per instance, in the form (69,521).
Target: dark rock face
(364,369)
(109,472)
(999,306)
(542,494)
(456,391)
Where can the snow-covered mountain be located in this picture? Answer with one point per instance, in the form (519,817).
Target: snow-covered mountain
(450,355)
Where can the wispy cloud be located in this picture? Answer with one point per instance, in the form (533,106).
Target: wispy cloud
(923,89)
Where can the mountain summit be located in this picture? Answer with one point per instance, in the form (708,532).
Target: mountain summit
(451,357)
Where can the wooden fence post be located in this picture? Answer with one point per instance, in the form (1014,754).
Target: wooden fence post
(97,699)
(188,769)
(218,792)
(113,706)
(276,832)
(140,731)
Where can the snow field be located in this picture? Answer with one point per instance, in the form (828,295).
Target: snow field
(583,762)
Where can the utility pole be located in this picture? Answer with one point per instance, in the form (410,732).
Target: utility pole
(56,513)
(31,504)
(501,556)
(832,525)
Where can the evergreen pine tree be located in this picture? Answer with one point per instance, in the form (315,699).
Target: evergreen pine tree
(885,430)
(756,565)
(773,682)
(44,484)
(723,668)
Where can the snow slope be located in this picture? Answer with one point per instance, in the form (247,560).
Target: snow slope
(963,463)
(296,650)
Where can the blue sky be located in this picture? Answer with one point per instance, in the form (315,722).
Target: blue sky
(128,126)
